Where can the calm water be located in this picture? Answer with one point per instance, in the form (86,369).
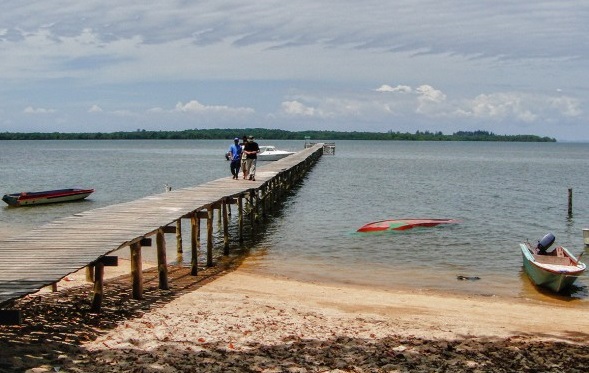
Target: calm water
(502,193)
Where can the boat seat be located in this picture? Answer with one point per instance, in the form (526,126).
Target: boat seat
(550,259)
(559,252)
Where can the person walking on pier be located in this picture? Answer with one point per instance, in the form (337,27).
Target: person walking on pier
(243,156)
(234,155)
(251,151)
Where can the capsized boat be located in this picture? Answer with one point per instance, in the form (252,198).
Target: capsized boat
(556,270)
(45,197)
(270,153)
(403,224)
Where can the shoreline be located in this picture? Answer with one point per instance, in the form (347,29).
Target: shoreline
(496,286)
(240,320)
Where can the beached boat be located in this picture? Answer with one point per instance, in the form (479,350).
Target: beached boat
(555,270)
(403,224)
(44,197)
(270,153)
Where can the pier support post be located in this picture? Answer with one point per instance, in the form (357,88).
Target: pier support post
(179,236)
(210,236)
(194,222)
(240,217)
(279,187)
(225,228)
(136,270)
(162,263)
(272,188)
(98,287)
(90,273)
(253,207)
(264,200)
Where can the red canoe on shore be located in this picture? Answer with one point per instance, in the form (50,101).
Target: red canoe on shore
(403,224)
(48,196)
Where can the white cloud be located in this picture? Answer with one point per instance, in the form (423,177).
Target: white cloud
(424,99)
(501,106)
(95,109)
(431,101)
(426,103)
(519,106)
(399,88)
(330,108)
(567,106)
(32,110)
(196,107)
(124,113)
(427,93)
(298,109)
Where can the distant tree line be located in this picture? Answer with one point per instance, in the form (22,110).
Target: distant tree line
(272,134)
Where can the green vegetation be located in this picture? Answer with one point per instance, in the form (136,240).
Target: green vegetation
(274,134)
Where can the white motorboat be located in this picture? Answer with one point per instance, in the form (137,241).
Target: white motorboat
(270,153)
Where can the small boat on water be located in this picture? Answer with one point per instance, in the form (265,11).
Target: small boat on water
(555,270)
(44,197)
(270,153)
(403,224)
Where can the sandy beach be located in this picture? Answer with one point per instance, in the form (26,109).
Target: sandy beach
(241,321)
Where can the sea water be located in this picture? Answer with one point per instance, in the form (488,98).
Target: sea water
(501,194)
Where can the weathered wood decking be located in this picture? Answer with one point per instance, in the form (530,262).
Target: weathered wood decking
(47,254)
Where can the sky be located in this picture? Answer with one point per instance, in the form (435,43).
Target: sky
(504,66)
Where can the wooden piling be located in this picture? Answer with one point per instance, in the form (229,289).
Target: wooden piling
(570,202)
(90,273)
(264,200)
(179,236)
(210,236)
(253,211)
(162,263)
(98,287)
(225,228)
(240,216)
(194,231)
(136,270)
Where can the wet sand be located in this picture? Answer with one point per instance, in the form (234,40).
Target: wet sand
(242,321)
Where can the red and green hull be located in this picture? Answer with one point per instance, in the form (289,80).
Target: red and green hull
(45,197)
(403,224)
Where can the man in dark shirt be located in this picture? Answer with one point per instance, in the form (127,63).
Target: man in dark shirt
(251,151)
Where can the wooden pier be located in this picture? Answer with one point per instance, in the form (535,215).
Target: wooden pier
(44,256)
(328,147)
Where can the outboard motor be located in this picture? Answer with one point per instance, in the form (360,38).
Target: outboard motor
(545,243)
